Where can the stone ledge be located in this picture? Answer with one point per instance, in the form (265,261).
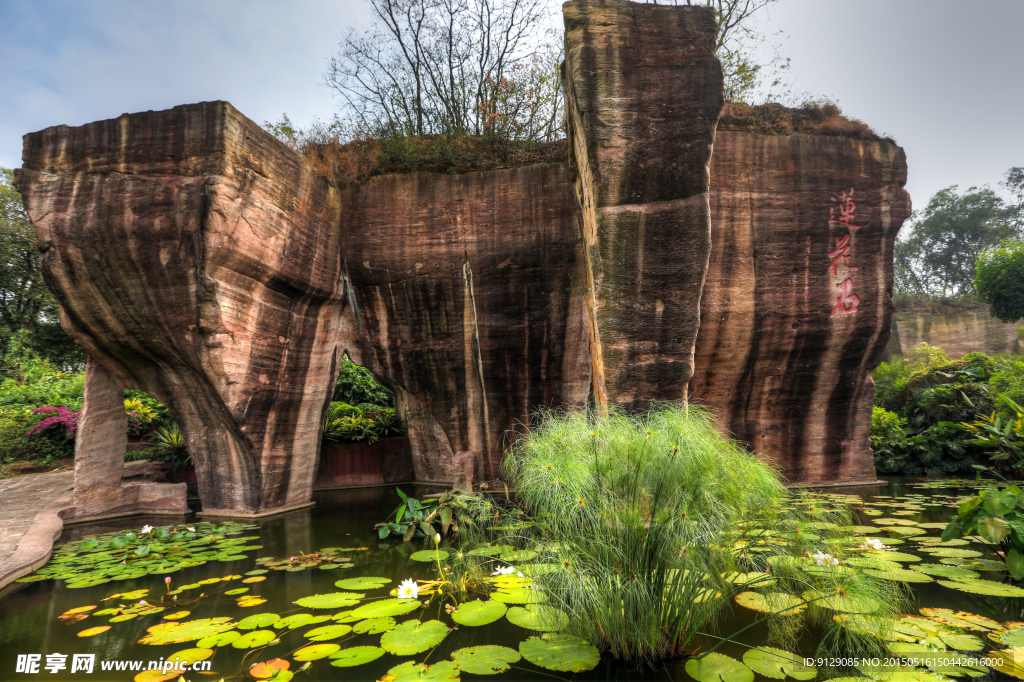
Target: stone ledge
(228,514)
(837,484)
(36,545)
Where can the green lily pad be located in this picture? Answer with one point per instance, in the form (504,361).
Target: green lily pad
(950,552)
(411,671)
(716,667)
(537,617)
(478,612)
(222,639)
(845,603)
(987,587)
(945,571)
(175,632)
(315,652)
(375,626)
(1012,638)
(240,590)
(92,632)
(518,555)
(190,656)
(357,655)
(328,632)
(259,620)
(298,620)
(426,555)
(413,637)
(485,660)
(518,595)
(962,642)
(778,664)
(332,600)
(384,607)
(362,583)
(778,603)
(961,619)
(893,556)
(490,551)
(979,564)
(563,653)
(254,639)
(1012,661)
(899,575)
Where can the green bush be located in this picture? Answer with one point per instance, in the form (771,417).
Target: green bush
(638,526)
(356,385)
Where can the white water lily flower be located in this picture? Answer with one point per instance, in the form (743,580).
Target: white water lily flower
(520,574)
(190,529)
(145,530)
(437,538)
(408,589)
(822,559)
(874,543)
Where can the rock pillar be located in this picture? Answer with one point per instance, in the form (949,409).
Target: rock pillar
(100,443)
(643,92)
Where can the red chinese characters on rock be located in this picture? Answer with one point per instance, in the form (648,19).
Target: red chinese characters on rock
(847,301)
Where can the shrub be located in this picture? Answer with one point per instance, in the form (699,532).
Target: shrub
(170,446)
(642,525)
(356,385)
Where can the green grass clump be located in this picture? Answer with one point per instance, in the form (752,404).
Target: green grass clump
(646,521)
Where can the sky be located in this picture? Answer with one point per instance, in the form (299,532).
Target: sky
(944,78)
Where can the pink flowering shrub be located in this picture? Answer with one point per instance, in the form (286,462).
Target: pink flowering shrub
(64,417)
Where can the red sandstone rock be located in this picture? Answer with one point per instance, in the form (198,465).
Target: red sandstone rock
(643,93)
(195,257)
(792,320)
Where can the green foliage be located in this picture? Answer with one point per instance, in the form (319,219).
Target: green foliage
(443,515)
(25,302)
(170,446)
(1000,280)
(997,516)
(356,385)
(648,526)
(887,437)
(931,395)
(938,255)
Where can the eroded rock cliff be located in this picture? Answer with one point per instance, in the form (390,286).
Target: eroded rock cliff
(797,308)
(643,95)
(196,257)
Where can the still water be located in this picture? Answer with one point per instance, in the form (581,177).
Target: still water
(29,612)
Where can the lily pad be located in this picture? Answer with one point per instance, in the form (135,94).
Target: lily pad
(375,626)
(893,556)
(426,555)
(315,652)
(899,575)
(190,656)
(485,660)
(945,571)
(328,632)
(267,669)
(333,600)
(362,583)
(384,607)
(250,600)
(92,632)
(987,587)
(537,617)
(716,667)
(1012,638)
(254,639)
(411,671)
(259,620)
(962,642)
(778,603)
(174,632)
(778,664)
(177,615)
(223,639)
(298,620)
(357,655)
(239,590)
(491,551)
(961,619)
(518,555)
(255,579)
(563,653)
(413,637)
(1012,661)
(518,595)
(950,552)
(478,612)
(844,603)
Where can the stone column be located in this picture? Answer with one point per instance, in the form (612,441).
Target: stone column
(100,443)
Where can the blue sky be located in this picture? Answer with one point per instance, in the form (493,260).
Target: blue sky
(942,77)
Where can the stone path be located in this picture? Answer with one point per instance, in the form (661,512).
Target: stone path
(21,498)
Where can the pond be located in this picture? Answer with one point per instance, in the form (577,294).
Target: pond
(247,570)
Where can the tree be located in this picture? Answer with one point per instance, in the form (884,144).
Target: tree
(25,302)
(945,240)
(451,67)
(1000,280)
(1014,184)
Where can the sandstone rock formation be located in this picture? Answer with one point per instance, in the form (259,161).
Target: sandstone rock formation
(797,306)
(956,333)
(643,93)
(199,259)
(467,298)
(195,257)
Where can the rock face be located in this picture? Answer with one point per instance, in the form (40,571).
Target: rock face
(958,334)
(195,257)
(199,259)
(797,304)
(643,93)
(466,293)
